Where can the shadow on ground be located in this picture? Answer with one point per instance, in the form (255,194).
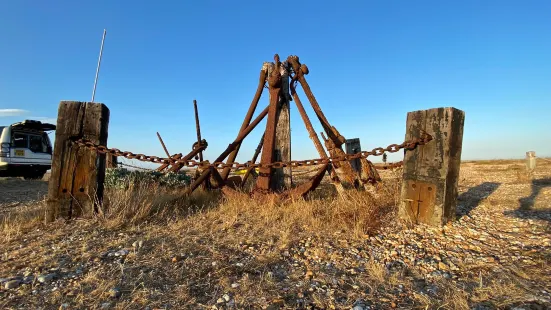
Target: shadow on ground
(526,209)
(527,203)
(470,199)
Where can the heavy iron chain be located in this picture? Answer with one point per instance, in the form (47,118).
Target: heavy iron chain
(390,166)
(392,148)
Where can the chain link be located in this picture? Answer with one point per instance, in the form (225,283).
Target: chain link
(392,148)
(390,166)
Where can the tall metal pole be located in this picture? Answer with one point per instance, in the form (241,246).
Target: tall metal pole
(163,144)
(198,128)
(99,63)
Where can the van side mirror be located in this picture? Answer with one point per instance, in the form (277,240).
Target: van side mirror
(49,150)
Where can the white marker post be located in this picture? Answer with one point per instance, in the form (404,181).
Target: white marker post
(99,63)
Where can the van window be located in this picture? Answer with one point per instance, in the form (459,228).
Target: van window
(20,140)
(37,144)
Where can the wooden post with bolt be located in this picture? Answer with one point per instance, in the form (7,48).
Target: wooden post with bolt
(76,183)
(431,171)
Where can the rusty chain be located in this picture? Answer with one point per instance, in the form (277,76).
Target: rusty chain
(390,166)
(392,148)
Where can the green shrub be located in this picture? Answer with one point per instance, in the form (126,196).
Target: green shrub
(122,178)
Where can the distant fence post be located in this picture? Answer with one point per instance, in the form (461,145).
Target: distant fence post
(531,161)
(76,183)
(431,171)
(111,161)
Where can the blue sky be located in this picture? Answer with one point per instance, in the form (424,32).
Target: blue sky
(370,63)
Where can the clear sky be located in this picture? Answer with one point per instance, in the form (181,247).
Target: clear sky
(370,63)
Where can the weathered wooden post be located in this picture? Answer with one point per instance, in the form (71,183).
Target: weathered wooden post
(431,171)
(282,149)
(76,182)
(352,147)
(530,161)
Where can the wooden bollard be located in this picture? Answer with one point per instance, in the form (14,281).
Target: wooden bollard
(111,161)
(431,171)
(353,146)
(76,183)
(282,177)
(530,161)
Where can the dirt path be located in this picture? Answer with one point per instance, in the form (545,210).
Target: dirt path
(17,192)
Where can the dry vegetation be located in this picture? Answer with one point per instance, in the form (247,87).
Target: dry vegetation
(327,252)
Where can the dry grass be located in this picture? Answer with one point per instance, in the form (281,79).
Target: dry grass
(197,249)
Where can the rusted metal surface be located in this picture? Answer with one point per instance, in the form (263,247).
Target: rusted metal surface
(197,127)
(314,137)
(335,140)
(196,150)
(420,198)
(303,189)
(311,132)
(387,166)
(300,71)
(240,139)
(408,145)
(342,168)
(337,162)
(166,165)
(216,179)
(368,172)
(248,117)
(163,144)
(205,174)
(175,156)
(274,87)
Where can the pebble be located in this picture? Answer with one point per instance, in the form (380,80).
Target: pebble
(359,305)
(28,279)
(115,292)
(12,284)
(122,252)
(235,285)
(46,278)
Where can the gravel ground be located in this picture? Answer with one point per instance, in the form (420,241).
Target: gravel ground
(495,256)
(17,194)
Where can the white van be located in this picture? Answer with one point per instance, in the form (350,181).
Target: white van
(25,149)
